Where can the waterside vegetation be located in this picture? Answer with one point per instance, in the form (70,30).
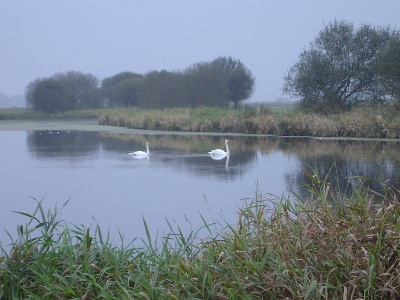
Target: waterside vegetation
(322,247)
(29,114)
(363,122)
(265,119)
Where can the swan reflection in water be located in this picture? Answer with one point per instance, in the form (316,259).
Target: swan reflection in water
(220,157)
(141,154)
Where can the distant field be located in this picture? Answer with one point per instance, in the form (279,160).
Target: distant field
(23,113)
(7,113)
(276,107)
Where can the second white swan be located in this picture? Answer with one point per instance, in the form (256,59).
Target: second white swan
(220,152)
(141,153)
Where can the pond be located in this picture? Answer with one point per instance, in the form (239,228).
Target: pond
(177,183)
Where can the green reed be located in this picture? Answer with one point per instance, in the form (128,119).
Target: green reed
(322,247)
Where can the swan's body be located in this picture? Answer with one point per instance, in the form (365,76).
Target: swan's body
(218,156)
(141,153)
(220,152)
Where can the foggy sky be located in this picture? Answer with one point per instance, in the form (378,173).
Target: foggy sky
(41,38)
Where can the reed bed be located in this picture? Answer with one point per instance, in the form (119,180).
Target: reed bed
(366,122)
(359,123)
(322,247)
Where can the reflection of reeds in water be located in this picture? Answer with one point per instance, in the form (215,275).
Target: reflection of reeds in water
(346,150)
(317,248)
(182,143)
(315,148)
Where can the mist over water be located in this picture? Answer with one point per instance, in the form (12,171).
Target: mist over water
(178,181)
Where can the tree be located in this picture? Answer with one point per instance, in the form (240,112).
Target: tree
(219,82)
(29,90)
(120,89)
(83,86)
(79,90)
(240,81)
(161,89)
(340,68)
(206,85)
(389,69)
(49,95)
(125,92)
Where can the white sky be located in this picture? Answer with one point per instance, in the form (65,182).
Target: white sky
(102,37)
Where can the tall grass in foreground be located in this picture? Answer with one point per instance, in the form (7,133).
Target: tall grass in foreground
(316,248)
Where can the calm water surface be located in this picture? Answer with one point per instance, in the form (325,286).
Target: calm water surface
(178,182)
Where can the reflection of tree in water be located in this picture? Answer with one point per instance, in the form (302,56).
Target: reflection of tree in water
(183,153)
(124,143)
(379,160)
(58,144)
(343,162)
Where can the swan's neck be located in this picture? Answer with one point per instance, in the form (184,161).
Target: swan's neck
(147,147)
(227,148)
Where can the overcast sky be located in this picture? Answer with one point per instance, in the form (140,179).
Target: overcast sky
(102,37)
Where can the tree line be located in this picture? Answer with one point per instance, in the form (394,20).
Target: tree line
(343,67)
(222,82)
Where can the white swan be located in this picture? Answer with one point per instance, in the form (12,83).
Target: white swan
(141,153)
(218,156)
(219,152)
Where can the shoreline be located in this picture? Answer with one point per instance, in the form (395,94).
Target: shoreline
(91,124)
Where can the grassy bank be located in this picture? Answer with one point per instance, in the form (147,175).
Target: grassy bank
(282,120)
(320,248)
(360,123)
(29,114)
